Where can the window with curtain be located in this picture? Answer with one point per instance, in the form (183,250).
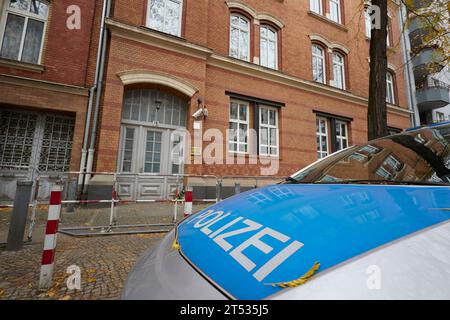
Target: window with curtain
(318,64)
(239,37)
(315,6)
(165,16)
(335,10)
(23,30)
(268,131)
(269,47)
(390,92)
(338,70)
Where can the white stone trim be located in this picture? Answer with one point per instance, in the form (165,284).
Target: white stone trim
(329,44)
(147,76)
(271,18)
(243,6)
(257,16)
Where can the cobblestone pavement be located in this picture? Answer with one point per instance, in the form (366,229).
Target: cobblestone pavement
(104,260)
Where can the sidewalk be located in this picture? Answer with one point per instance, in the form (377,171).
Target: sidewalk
(105,261)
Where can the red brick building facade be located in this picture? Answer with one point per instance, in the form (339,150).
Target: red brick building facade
(194,60)
(44,81)
(294,72)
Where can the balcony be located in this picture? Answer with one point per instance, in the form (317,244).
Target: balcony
(419,4)
(418,30)
(427,61)
(433,94)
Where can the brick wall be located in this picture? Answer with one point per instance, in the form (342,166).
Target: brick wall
(206,23)
(68,63)
(66,52)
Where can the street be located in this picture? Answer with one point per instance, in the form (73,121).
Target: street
(104,261)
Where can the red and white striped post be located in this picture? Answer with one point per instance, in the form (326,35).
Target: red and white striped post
(188,202)
(48,256)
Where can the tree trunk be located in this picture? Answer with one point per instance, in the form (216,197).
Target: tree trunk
(377,113)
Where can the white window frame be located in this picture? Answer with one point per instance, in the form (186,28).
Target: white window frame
(341,66)
(340,138)
(27,15)
(240,29)
(269,127)
(390,88)
(337,4)
(320,57)
(123,139)
(238,122)
(323,153)
(388,35)
(440,116)
(275,43)
(147,22)
(316,6)
(368,22)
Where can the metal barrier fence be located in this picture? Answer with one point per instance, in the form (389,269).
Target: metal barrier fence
(72,198)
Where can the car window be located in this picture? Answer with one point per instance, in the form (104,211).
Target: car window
(419,156)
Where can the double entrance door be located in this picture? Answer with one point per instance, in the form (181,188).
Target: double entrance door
(150,155)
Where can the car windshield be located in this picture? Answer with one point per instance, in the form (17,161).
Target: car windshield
(418,157)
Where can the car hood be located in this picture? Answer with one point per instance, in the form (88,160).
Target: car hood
(253,244)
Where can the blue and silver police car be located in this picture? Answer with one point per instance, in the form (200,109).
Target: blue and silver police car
(368,222)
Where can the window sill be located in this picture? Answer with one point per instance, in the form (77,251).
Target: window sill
(21,65)
(164,33)
(329,21)
(254,64)
(333,87)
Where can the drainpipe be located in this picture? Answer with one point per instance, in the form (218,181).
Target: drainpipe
(412,101)
(96,88)
(86,133)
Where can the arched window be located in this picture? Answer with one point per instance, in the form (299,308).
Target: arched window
(269,47)
(318,63)
(390,91)
(338,70)
(165,16)
(239,37)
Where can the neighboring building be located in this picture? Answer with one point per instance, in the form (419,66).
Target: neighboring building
(43,89)
(432,77)
(294,71)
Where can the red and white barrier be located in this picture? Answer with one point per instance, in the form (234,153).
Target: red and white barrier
(48,255)
(188,202)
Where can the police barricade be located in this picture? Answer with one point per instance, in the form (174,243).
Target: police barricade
(123,214)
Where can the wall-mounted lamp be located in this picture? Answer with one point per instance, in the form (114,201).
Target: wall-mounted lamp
(158,104)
